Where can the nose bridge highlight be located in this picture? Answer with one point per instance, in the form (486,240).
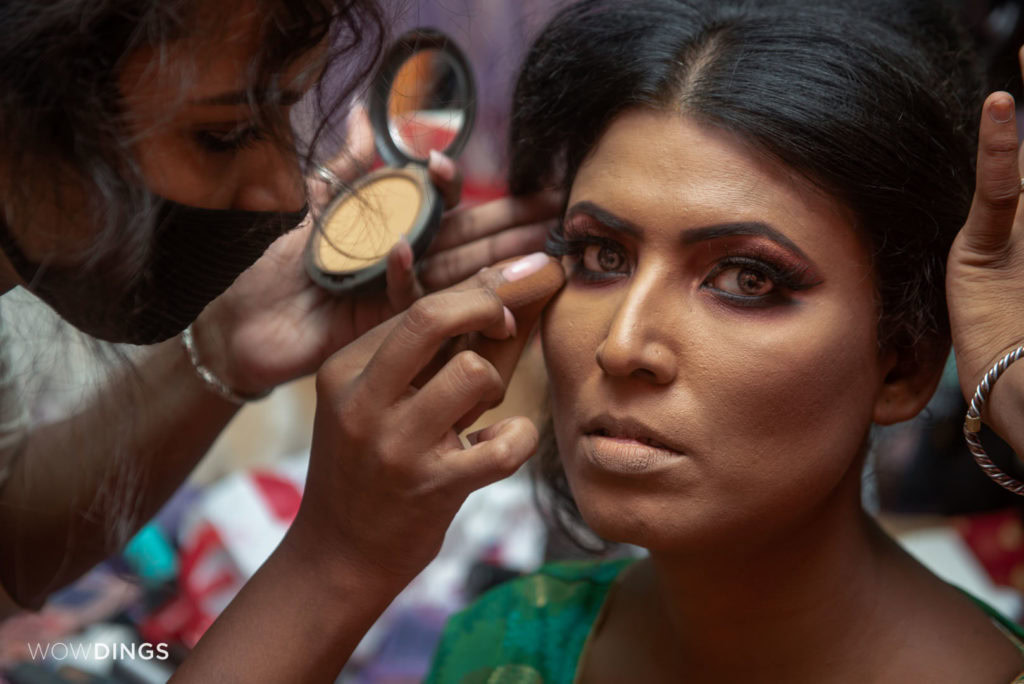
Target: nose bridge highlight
(634,343)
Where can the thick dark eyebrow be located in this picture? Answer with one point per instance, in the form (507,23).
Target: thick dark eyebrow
(740,228)
(239,97)
(605,217)
(691,235)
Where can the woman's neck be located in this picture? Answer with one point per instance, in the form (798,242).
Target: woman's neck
(751,611)
(759,610)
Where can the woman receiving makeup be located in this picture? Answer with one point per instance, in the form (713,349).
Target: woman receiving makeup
(764,199)
(769,242)
(151,179)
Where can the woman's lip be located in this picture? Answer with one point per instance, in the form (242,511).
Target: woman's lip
(630,428)
(626,456)
(648,441)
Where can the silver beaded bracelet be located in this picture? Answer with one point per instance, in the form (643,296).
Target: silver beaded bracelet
(972,423)
(207,376)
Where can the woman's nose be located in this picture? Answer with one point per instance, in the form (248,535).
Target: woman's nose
(272,181)
(638,341)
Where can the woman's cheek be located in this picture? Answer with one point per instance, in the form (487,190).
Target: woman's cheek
(568,329)
(795,400)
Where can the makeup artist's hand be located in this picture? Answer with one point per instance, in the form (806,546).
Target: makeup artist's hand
(388,470)
(274,324)
(985,275)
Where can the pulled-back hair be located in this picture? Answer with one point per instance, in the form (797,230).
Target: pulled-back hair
(875,102)
(62,115)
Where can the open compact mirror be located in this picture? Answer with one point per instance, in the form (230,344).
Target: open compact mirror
(423,98)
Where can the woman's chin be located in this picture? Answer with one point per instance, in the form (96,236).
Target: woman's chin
(655,527)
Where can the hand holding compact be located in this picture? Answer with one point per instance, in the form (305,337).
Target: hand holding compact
(274,324)
(388,470)
(985,273)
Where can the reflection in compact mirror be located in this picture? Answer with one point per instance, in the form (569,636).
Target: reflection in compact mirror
(427,103)
(422,98)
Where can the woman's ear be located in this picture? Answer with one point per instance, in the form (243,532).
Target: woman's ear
(911,375)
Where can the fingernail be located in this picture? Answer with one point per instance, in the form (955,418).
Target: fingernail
(1001,110)
(474,437)
(526,266)
(444,166)
(510,322)
(405,254)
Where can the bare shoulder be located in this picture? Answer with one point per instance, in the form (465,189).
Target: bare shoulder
(943,635)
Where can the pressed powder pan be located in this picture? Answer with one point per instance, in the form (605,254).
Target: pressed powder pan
(360,226)
(422,98)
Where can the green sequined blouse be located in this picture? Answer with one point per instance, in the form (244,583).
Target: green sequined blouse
(534,629)
(528,630)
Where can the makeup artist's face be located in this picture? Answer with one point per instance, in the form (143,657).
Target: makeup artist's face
(713,355)
(209,152)
(194,135)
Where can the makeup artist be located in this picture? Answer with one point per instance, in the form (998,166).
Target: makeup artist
(150,186)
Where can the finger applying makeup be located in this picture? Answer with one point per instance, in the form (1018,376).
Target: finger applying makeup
(465,382)
(496,451)
(535,278)
(529,284)
(423,329)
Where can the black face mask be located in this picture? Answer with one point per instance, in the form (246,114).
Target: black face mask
(196,254)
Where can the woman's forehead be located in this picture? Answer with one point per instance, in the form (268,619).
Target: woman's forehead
(672,170)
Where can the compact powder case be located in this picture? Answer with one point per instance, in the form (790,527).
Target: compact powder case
(422,98)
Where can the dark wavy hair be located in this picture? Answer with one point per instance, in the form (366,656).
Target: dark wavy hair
(874,101)
(61,112)
(62,117)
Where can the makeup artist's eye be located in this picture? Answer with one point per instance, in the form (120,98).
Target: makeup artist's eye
(231,139)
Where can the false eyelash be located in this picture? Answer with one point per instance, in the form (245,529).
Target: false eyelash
(560,247)
(792,276)
(785,276)
(556,245)
(559,244)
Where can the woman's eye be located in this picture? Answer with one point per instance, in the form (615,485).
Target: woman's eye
(230,140)
(602,259)
(743,282)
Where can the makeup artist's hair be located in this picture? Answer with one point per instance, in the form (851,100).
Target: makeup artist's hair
(874,101)
(61,116)
(61,112)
